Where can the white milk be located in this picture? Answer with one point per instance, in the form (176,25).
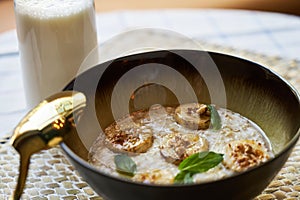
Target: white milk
(54,38)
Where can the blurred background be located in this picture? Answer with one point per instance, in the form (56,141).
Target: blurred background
(283,6)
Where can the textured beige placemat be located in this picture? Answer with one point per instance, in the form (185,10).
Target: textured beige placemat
(51,177)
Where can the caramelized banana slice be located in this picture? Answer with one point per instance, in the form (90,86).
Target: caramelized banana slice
(193,116)
(244,154)
(128,135)
(175,147)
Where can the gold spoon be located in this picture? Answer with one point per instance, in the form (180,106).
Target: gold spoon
(44,127)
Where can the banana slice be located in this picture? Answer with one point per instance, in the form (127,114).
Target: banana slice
(175,147)
(244,154)
(193,116)
(129,135)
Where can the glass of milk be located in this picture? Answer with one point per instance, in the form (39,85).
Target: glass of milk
(54,37)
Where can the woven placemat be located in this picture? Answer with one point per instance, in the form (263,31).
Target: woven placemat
(52,177)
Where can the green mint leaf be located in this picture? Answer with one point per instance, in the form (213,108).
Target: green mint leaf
(200,162)
(197,163)
(184,177)
(191,160)
(180,177)
(188,178)
(125,165)
(215,118)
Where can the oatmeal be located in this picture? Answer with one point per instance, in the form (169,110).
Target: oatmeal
(158,140)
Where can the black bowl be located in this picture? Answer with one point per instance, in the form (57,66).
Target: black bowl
(237,84)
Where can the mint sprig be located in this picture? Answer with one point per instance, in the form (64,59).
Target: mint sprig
(125,165)
(215,119)
(197,163)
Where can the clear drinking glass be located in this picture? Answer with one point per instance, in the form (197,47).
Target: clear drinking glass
(54,38)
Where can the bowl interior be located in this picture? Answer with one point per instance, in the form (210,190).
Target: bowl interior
(182,76)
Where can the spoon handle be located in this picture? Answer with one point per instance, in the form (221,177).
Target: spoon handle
(45,127)
(29,144)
